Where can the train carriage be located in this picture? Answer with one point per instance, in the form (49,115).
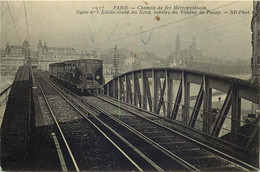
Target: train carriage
(83,76)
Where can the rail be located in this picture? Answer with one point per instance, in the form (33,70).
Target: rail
(58,126)
(177,159)
(244,165)
(3,92)
(85,112)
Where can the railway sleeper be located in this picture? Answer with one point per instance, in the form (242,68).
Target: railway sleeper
(180,147)
(196,152)
(204,163)
(229,167)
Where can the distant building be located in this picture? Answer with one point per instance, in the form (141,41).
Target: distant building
(255,28)
(129,60)
(13,57)
(183,57)
(141,60)
(47,55)
(55,51)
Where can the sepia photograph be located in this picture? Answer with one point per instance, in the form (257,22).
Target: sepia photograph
(137,85)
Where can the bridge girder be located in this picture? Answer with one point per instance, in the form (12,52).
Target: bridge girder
(154,88)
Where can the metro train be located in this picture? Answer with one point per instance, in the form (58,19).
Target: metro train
(84,76)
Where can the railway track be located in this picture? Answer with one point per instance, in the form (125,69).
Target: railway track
(162,149)
(118,155)
(57,124)
(150,157)
(135,156)
(203,156)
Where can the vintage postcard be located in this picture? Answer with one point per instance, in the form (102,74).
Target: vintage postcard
(130,85)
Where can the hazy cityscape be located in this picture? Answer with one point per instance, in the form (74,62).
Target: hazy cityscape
(189,57)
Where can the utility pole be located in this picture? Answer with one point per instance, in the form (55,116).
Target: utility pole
(116,68)
(27,53)
(28,58)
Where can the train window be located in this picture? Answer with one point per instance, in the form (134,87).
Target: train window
(89,69)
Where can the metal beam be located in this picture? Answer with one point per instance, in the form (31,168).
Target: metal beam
(163,103)
(134,96)
(137,92)
(185,98)
(106,89)
(148,92)
(177,102)
(126,87)
(249,93)
(144,91)
(196,108)
(194,77)
(254,132)
(247,90)
(129,90)
(169,94)
(207,105)
(236,111)
(155,91)
(161,97)
(114,89)
(223,113)
(109,89)
(122,90)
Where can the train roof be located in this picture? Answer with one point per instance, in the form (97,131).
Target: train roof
(75,61)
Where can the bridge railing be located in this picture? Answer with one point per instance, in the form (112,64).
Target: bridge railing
(4,94)
(153,90)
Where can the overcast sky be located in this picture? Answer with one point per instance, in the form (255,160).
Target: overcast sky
(57,24)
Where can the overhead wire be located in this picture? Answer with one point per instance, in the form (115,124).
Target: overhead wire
(26,21)
(13,22)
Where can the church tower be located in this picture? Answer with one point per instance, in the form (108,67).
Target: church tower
(40,49)
(45,49)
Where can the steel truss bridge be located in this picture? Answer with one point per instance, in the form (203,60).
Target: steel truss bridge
(152,90)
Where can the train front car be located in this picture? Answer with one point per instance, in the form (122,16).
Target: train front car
(91,75)
(83,76)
